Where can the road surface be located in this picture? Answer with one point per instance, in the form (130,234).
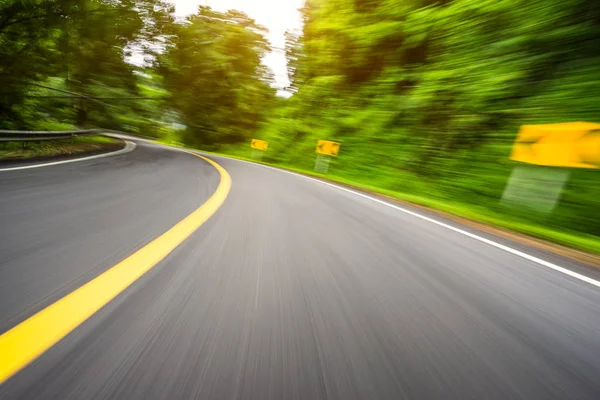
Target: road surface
(293,289)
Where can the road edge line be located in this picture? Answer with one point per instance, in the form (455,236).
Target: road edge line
(22,344)
(500,246)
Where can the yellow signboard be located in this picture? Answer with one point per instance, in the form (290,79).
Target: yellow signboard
(259,144)
(328,148)
(570,144)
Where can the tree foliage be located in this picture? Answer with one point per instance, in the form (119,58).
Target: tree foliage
(129,64)
(212,66)
(426,97)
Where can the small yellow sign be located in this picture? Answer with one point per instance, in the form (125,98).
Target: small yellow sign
(259,144)
(570,144)
(328,148)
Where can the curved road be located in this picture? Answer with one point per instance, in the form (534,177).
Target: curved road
(293,289)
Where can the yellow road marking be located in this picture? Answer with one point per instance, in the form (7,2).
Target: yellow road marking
(32,337)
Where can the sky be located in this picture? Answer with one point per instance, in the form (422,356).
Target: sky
(276,15)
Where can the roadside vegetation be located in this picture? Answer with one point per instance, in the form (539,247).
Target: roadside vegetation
(53,148)
(130,65)
(425,97)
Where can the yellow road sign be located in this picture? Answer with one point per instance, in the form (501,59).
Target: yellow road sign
(570,144)
(328,148)
(259,144)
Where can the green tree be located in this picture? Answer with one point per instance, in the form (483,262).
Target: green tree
(427,96)
(213,67)
(77,47)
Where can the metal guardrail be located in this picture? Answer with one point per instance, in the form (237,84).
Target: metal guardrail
(35,136)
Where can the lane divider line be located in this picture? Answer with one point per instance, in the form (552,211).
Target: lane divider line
(25,342)
(497,245)
(129,146)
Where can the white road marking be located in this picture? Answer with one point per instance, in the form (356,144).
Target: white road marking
(521,254)
(129,146)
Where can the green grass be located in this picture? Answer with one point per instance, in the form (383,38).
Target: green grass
(484,213)
(50,148)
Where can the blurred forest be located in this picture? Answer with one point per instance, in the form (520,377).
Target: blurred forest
(130,65)
(426,96)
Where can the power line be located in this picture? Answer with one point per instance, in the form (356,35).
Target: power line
(96,98)
(81,96)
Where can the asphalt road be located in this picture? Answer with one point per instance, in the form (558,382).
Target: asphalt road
(292,290)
